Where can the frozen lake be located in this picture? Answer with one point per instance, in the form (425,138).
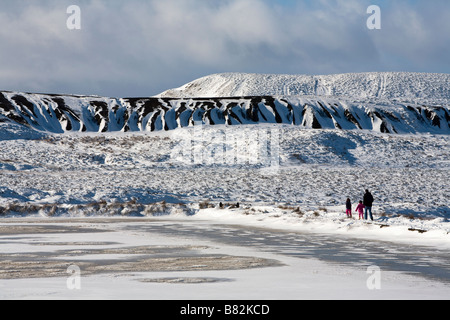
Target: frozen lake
(423,261)
(184,259)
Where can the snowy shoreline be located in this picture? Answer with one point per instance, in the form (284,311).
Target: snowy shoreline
(433,232)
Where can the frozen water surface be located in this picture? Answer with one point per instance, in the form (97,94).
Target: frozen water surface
(424,261)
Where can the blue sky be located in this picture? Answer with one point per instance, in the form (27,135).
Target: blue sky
(143,47)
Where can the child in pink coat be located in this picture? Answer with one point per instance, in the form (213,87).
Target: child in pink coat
(360,209)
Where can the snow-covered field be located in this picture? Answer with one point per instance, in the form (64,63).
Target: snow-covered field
(281,166)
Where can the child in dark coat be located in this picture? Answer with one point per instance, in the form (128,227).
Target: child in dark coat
(348,208)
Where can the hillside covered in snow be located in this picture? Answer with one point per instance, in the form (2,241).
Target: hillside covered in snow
(399,86)
(82,155)
(380,102)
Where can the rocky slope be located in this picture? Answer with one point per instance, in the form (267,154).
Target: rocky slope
(381,102)
(58,114)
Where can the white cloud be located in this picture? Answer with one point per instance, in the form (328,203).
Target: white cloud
(141,47)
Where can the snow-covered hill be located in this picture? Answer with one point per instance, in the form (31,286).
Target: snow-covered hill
(277,166)
(97,168)
(403,86)
(74,157)
(64,113)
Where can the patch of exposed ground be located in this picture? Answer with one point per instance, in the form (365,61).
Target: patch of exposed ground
(106,257)
(185,280)
(40,265)
(21,229)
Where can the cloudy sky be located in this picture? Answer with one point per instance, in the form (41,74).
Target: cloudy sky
(142,47)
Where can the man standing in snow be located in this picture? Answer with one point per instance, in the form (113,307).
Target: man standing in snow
(368,201)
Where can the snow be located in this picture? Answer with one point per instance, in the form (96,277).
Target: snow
(336,223)
(59,179)
(420,87)
(409,103)
(140,170)
(255,165)
(313,168)
(297,278)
